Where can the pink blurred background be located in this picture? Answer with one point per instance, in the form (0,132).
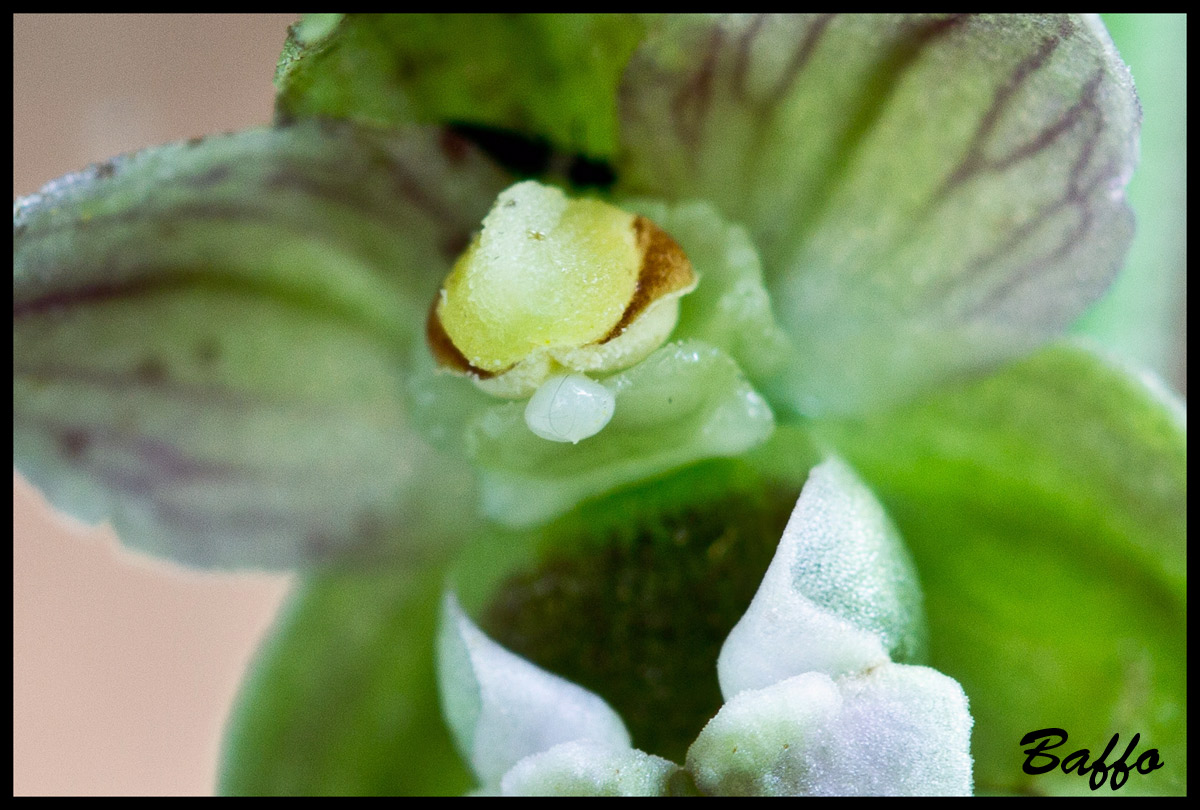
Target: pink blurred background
(124,668)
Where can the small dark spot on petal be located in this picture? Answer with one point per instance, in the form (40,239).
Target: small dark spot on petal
(150,371)
(368,526)
(18,230)
(407,67)
(105,170)
(211,177)
(73,443)
(329,126)
(208,351)
(195,141)
(318,544)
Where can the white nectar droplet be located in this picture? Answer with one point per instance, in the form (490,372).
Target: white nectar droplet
(569,408)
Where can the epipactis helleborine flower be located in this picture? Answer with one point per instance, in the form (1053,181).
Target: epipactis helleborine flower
(363,335)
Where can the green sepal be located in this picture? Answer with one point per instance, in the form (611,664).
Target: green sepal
(210,342)
(342,698)
(1046,510)
(920,211)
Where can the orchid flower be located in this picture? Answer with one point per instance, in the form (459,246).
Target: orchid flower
(418,330)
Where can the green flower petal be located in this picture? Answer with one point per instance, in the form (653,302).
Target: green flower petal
(893,731)
(840,595)
(210,341)
(543,75)
(1046,509)
(588,769)
(930,195)
(342,699)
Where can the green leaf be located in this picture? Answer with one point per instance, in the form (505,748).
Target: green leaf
(342,699)
(544,75)
(210,342)
(929,195)
(1046,509)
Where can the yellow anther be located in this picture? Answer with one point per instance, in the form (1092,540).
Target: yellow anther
(553,285)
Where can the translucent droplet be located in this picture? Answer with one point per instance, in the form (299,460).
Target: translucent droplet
(568,408)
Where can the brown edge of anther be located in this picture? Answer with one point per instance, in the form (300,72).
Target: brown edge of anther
(443,349)
(665,269)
